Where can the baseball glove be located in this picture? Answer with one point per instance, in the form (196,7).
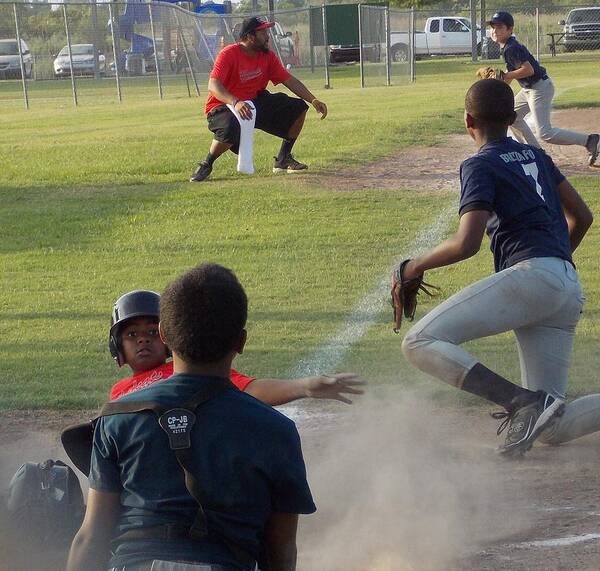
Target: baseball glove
(404,295)
(490,73)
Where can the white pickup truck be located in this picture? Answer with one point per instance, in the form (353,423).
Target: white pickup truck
(443,35)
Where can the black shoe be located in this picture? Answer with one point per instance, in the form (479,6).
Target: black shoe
(526,419)
(288,164)
(201,173)
(593,147)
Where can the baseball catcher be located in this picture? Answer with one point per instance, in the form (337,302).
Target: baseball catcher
(490,73)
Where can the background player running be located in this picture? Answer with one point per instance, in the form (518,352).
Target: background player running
(536,94)
(535,220)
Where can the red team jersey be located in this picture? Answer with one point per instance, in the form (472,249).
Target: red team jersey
(243,75)
(146,378)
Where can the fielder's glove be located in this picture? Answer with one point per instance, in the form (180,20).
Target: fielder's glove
(490,73)
(404,295)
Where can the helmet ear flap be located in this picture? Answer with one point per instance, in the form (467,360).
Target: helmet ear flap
(115,348)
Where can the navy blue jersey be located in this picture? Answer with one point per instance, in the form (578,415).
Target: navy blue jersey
(518,185)
(246,456)
(515,55)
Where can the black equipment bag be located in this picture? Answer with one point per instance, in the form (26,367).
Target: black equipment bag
(45,504)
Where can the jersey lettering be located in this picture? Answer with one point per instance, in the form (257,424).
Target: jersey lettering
(531,169)
(516,156)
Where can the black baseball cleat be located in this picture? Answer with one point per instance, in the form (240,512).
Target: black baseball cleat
(527,417)
(201,173)
(593,147)
(288,164)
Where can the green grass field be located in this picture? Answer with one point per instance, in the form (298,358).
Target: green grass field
(96,203)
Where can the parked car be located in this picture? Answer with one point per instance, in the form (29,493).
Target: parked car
(442,35)
(349,53)
(83,61)
(10,62)
(582,29)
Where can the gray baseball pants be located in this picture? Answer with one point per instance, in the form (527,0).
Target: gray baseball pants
(541,301)
(538,101)
(158,565)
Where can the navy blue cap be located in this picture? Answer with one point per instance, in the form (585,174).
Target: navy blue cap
(502,18)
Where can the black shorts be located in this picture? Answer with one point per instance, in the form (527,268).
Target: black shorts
(275,114)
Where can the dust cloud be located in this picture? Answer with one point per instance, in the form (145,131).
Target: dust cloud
(401,485)
(19,552)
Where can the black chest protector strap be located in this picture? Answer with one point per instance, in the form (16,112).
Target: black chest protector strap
(177,424)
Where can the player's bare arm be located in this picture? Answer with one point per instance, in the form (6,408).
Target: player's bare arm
(464,244)
(91,546)
(219,91)
(578,215)
(298,88)
(280,541)
(526,70)
(281,391)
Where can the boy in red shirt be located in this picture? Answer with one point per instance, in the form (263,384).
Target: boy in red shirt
(134,341)
(241,73)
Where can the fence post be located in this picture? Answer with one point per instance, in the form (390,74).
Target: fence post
(361,59)
(411,43)
(326,44)
(22,63)
(187,55)
(310,35)
(202,37)
(483,23)
(537,34)
(94,15)
(117,55)
(473,4)
(275,43)
(158,78)
(388,63)
(73,84)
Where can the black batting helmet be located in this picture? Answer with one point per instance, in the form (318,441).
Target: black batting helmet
(138,303)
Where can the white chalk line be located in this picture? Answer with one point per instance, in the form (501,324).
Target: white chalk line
(331,353)
(558,542)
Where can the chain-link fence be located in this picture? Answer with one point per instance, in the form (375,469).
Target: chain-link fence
(139,49)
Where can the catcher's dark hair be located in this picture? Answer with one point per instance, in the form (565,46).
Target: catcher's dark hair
(203,313)
(491,101)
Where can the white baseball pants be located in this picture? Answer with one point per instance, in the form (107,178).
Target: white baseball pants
(537,100)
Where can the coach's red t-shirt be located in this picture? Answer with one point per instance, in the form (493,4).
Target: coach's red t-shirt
(243,75)
(146,378)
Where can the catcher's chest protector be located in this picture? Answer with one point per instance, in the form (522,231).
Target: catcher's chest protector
(45,505)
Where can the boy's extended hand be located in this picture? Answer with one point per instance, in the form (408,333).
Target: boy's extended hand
(333,386)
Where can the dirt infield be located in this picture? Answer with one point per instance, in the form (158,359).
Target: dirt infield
(430,169)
